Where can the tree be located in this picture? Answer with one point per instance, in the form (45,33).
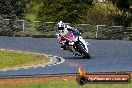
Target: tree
(34,1)
(126,16)
(67,10)
(12,9)
(123,5)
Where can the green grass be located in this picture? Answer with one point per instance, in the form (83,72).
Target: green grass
(67,84)
(13,58)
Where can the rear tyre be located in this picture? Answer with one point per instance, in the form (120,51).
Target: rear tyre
(82,50)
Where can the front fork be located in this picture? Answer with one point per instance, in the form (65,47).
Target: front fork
(86,44)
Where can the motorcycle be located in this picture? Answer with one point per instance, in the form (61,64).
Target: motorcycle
(79,48)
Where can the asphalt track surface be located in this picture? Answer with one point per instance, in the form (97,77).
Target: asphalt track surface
(106,55)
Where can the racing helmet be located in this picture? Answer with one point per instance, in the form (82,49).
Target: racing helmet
(61,25)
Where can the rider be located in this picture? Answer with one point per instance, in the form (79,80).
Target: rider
(68,32)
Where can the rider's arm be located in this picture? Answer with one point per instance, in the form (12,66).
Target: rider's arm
(58,36)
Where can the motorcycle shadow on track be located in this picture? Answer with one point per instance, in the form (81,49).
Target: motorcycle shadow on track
(75,61)
(76,57)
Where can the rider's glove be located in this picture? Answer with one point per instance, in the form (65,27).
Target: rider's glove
(57,34)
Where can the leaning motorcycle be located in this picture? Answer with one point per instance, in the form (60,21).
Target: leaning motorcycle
(78,48)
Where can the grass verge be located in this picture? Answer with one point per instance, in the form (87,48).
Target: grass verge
(10,59)
(54,82)
(70,84)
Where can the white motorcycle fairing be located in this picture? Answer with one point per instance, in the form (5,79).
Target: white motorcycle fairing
(84,43)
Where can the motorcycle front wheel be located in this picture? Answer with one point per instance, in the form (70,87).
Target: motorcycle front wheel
(82,50)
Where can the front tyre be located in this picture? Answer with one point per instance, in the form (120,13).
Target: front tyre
(82,50)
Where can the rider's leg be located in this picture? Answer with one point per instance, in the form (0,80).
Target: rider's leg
(63,46)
